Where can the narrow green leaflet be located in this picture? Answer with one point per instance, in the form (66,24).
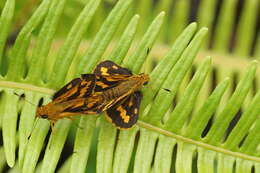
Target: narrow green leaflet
(5,23)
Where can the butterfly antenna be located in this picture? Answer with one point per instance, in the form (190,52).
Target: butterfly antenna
(23,97)
(34,124)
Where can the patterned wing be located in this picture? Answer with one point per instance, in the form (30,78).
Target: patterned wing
(107,68)
(77,88)
(88,105)
(124,115)
(109,75)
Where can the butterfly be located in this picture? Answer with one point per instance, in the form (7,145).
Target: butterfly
(111,89)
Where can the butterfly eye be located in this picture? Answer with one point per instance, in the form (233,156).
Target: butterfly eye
(44,116)
(145,83)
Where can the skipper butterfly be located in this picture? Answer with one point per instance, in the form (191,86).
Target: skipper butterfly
(111,88)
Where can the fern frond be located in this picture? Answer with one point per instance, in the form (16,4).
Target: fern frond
(166,137)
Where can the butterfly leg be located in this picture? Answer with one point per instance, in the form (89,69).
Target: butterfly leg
(52,126)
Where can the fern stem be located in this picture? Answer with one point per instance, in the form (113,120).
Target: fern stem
(199,143)
(26,87)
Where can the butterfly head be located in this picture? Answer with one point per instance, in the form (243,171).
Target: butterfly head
(144,78)
(42,112)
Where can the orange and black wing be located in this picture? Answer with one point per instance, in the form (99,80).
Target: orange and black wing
(107,68)
(109,74)
(77,88)
(88,105)
(124,115)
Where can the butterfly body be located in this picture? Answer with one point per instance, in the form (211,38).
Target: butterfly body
(54,111)
(127,87)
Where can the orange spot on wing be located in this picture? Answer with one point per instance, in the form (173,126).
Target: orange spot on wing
(69,86)
(85,83)
(85,89)
(70,92)
(130,104)
(135,111)
(99,83)
(123,114)
(114,67)
(104,71)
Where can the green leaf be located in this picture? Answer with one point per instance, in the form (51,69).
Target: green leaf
(26,123)
(180,114)
(35,144)
(120,51)
(194,133)
(70,46)
(216,134)
(43,44)
(99,44)
(159,74)
(5,23)
(163,100)
(17,65)
(224,25)
(9,125)
(136,60)
(200,119)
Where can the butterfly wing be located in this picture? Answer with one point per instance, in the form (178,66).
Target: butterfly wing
(107,68)
(124,115)
(88,105)
(77,88)
(109,75)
